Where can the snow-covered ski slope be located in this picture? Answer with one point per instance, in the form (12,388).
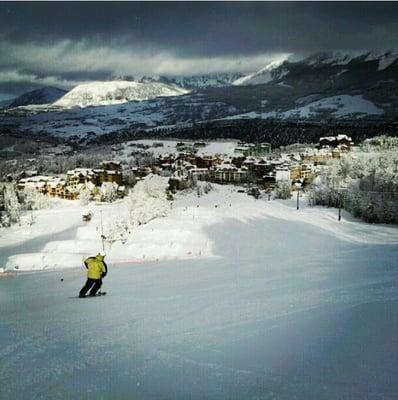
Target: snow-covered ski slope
(286,304)
(183,234)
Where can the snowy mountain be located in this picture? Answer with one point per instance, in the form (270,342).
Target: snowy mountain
(279,69)
(322,87)
(197,81)
(43,95)
(116,92)
(384,59)
(262,76)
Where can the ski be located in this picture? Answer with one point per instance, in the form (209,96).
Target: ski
(88,296)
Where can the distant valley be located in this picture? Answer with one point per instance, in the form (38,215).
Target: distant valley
(326,88)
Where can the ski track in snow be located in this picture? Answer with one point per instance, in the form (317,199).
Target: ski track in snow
(284,304)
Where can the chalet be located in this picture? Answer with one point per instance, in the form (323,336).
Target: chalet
(238,160)
(207,161)
(202,174)
(141,172)
(108,175)
(81,175)
(165,169)
(56,187)
(269,180)
(261,167)
(38,182)
(249,162)
(305,171)
(187,157)
(165,158)
(228,173)
(295,171)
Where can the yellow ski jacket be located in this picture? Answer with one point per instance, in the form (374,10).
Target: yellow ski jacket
(96,267)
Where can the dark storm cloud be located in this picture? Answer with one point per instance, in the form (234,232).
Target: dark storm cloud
(208,28)
(63,43)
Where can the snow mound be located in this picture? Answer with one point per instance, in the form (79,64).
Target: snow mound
(116,92)
(42,261)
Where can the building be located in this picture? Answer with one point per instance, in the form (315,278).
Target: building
(78,176)
(108,175)
(201,174)
(228,173)
(76,180)
(253,149)
(306,171)
(207,161)
(295,170)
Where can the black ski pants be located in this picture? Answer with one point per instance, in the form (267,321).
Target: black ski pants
(93,284)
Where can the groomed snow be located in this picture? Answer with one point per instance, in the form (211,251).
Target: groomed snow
(180,235)
(284,304)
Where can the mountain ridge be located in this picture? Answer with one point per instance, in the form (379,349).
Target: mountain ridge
(44,95)
(318,88)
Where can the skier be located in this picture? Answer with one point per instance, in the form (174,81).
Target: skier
(96,270)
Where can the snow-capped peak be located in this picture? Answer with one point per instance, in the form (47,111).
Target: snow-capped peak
(116,92)
(262,76)
(330,58)
(200,81)
(385,59)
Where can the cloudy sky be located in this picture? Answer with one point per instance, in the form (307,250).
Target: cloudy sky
(63,44)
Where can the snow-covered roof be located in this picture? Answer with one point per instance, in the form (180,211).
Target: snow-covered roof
(226,166)
(111,162)
(37,178)
(80,171)
(200,169)
(334,138)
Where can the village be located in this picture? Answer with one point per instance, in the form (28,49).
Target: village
(254,166)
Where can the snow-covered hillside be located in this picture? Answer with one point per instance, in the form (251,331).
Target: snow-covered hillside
(280,68)
(116,92)
(271,303)
(264,75)
(384,59)
(198,81)
(323,86)
(337,106)
(183,233)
